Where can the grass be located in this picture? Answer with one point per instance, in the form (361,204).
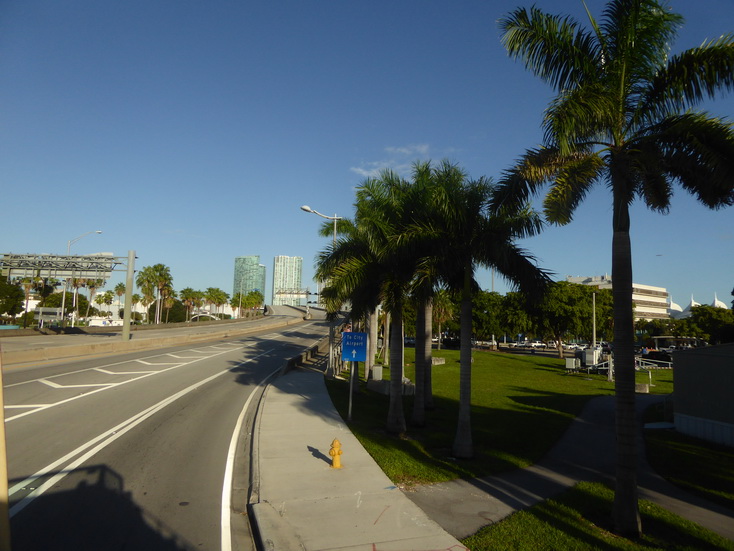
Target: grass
(521,404)
(579,520)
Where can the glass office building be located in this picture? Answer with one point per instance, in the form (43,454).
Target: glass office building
(249,275)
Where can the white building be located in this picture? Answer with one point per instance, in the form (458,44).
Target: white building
(287,286)
(677,313)
(650,302)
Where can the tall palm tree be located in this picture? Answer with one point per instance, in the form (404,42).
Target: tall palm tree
(369,266)
(135,300)
(99,301)
(424,284)
(169,299)
(188,297)
(465,236)
(162,280)
(108,298)
(92,286)
(146,281)
(622,117)
(119,291)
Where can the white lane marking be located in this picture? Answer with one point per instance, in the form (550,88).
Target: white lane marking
(226,539)
(57,385)
(157,363)
(145,374)
(101,441)
(108,372)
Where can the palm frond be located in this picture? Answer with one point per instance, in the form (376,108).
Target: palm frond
(639,35)
(698,151)
(572,183)
(532,171)
(581,115)
(555,48)
(690,77)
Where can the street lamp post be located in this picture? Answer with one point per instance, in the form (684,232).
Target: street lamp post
(66,284)
(331,371)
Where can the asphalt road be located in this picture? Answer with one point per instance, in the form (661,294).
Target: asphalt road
(144,451)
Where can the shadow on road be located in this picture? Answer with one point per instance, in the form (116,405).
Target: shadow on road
(91,511)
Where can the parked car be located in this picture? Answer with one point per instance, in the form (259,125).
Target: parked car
(537,344)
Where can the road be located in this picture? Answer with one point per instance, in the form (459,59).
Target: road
(141,451)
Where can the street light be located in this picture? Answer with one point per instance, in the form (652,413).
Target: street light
(331,371)
(317,213)
(69,243)
(72,241)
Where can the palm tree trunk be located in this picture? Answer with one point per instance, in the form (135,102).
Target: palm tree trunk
(428,372)
(395,415)
(422,338)
(463,446)
(372,328)
(626,513)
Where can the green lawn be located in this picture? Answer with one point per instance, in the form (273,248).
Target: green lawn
(521,404)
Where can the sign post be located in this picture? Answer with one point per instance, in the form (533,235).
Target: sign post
(354,349)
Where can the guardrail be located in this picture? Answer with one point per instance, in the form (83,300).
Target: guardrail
(652,364)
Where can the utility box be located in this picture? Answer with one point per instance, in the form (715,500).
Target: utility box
(591,356)
(377,372)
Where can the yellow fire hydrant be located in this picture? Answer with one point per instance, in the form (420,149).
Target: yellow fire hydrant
(335,452)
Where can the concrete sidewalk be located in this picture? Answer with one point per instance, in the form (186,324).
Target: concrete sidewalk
(301,503)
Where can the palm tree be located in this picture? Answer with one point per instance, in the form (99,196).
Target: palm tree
(465,236)
(169,299)
(135,300)
(99,301)
(368,266)
(108,298)
(145,280)
(152,280)
(119,291)
(622,117)
(162,280)
(92,286)
(188,297)
(423,289)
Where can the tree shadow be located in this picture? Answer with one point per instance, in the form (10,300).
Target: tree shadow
(96,514)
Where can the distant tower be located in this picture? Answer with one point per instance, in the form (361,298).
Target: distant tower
(249,275)
(287,288)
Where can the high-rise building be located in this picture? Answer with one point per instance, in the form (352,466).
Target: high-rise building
(249,275)
(287,287)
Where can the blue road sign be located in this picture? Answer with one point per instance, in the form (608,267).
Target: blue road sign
(354,347)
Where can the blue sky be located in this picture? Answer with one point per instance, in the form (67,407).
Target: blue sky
(191,132)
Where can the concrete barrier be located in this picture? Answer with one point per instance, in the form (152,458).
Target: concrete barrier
(134,345)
